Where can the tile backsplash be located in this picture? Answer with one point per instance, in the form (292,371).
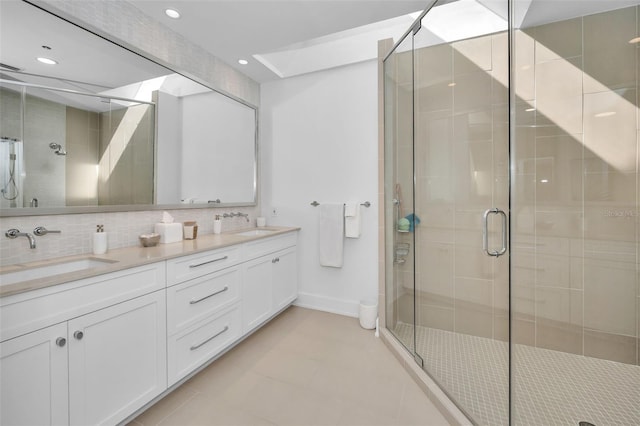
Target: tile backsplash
(123,229)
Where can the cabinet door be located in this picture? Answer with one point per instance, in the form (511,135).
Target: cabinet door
(257,292)
(118,363)
(285,278)
(33,378)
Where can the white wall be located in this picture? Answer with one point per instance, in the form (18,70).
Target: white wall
(218,141)
(318,141)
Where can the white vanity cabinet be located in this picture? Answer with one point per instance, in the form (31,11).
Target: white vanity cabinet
(103,360)
(33,378)
(97,350)
(203,312)
(270,279)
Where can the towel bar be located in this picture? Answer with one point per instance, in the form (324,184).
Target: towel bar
(366,204)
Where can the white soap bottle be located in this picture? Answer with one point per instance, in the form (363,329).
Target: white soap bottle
(217,225)
(100,240)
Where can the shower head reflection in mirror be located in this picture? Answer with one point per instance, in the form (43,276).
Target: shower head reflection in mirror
(58,149)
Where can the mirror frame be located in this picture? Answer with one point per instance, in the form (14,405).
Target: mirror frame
(41,211)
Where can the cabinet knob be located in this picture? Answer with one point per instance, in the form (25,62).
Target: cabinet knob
(78,335)
(61,341)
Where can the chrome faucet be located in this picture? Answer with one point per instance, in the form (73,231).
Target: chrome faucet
(238,214)
(245,215)
(15,233)
(41,230)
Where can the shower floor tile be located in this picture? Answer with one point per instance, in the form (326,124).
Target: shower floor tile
(552,388)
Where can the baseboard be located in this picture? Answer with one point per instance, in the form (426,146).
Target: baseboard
(350,308)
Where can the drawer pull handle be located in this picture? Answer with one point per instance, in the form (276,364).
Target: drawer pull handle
(210,261)
(194,347)
(193,302)
(61,341)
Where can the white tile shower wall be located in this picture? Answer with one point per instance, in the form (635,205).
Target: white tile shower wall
(123,230)
(44,124)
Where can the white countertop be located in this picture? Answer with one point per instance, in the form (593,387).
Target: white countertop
(129,257)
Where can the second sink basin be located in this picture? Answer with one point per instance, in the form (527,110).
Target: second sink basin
(256,232)
(28,274)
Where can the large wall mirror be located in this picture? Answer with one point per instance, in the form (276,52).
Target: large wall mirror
(104,129)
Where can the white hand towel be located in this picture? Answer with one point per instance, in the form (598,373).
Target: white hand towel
(331,234)
(352,222)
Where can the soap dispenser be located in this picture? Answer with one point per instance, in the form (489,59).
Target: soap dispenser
(217,224)
(99,240)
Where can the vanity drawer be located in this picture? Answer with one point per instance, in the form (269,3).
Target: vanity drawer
(193,300)
(264,246)
(197,265)
(190,349)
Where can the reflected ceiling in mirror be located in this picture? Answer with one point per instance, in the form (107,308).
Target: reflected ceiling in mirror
(104,129)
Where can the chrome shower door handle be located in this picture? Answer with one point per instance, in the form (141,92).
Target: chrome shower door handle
(485,232)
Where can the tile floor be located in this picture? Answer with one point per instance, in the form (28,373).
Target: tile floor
(552,388)
(303,368)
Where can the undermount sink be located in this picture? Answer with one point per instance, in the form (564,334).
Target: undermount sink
(256,232)
(28,274)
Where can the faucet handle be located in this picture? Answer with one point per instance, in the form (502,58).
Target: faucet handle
(12,233)
(41,230)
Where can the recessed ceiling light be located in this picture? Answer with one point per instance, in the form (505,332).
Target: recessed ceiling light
(172,13)
(47,61)
(634,40)
(243,61)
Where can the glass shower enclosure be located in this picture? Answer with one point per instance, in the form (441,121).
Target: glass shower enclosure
(512,207)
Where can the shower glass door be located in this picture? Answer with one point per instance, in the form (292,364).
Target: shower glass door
(447,136)
(520,145)
(461,184)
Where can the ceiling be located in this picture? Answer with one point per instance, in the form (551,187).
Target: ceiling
(235,29)
(282,33)
(281,38)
